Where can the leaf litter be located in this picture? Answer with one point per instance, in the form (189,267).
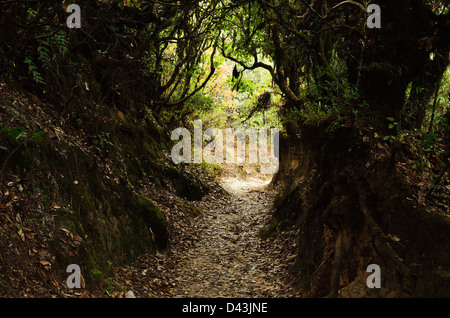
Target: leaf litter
(219,252)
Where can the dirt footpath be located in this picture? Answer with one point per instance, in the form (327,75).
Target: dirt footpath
(224,256)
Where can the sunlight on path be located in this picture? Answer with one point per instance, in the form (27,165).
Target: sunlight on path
(240,186)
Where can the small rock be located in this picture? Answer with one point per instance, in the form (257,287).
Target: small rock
(130,294)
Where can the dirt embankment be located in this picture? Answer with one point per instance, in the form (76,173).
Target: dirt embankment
(356,201)
(70,196)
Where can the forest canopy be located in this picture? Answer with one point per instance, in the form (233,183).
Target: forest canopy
(319,54)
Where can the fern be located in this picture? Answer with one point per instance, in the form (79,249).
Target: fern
(51,49)
(61,42)
(45,54)
(33,71)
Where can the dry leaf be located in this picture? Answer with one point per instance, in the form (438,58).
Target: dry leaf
(20,233)
(393,237)
(47,265)
(54,281)
(9,220)
(83,284)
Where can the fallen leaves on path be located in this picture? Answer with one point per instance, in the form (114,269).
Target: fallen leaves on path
(221,255)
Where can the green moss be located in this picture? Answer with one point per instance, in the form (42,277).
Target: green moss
(112,286)
(151,207)
(191,210)
(154,219)
(153,150)
(185,186)
(115,224)
(268,229)
(211,168)
(95,274)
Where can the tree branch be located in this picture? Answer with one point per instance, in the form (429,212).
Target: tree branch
(211,73)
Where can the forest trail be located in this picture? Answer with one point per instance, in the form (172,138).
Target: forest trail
(225,256)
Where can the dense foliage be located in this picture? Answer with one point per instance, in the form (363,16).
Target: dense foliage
(318,54)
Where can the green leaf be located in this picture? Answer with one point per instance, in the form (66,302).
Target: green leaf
(38,134)
(386,138)
(43,49)
(17,132)
(390,118)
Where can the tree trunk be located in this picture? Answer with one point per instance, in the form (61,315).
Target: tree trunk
(393,56)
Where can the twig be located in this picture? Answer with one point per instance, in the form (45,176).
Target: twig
(349,2)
